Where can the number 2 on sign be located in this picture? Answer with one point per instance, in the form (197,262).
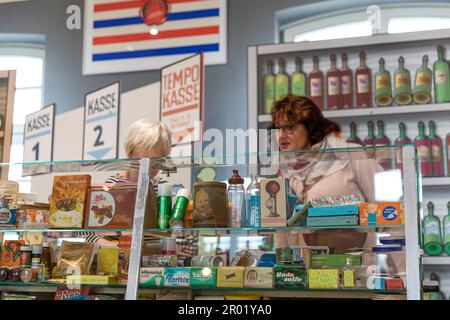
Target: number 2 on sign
(36,151)
(98,141)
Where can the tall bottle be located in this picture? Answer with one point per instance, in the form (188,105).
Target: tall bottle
(383,87)
(401,141)
(424,76)
(281,81)
(298,79)
(403,92)
(346,83)
(432,239)
(363,77)
(423,145)
(353,135)
(253,198)
(269,88)
(333,85)
(316,84)
(381,139)
(446,228)
(370,139)
(437,161)
(236,195)
(441,78)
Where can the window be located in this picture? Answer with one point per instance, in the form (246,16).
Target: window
(355,23)
(28,61)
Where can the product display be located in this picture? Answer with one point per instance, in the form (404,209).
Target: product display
(179,209)
(382,155)
(230,277)
(381,213)
(437,161)
(236,196)
(253,198)
(164,205)
(400,141)
(353,135)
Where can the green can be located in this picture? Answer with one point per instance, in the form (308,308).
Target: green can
(179,209)
(164,205)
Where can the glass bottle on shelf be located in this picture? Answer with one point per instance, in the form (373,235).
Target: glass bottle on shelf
(383,87)
(369,140)
(401,141)
(316,84)
(436,152)
(423,145)
(363,77)
(333,85)
(381,139)
(424,76)
(353,134)
(236,196)
(269,88)
(447,144)
(346,83)
(281,81)
(432,233)
(298,79)
(402,79)
(446,228)
(441,78)
(253,198)
(348,275)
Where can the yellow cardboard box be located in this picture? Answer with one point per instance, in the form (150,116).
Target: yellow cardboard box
(323,278)
(258,277)
(230,277)
(90,279)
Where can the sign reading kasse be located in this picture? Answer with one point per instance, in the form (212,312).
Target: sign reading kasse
(182,87)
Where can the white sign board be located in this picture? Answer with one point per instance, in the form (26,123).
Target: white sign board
(182,89)
(101,123)
(38,138)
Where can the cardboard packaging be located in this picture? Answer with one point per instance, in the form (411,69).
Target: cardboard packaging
(90,279)
(203,278)
(334,260)
(111,207)
(11,253)
(230,277)
(290,277)
(323,278)
(108,261)
(258,277)
(32,216)
(349,210)
(177,277)
(274,202)
(381,213)
(68,201)
(332,221)
(151,277)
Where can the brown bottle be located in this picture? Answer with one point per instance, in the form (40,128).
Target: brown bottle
(316,84)
(346,84)
(333,86)
(363,77)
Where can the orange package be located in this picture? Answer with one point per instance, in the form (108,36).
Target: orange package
(11,253)
(381,213)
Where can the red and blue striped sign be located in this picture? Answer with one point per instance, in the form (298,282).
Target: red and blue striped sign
(118,40)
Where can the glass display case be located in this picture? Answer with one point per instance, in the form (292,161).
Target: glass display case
(350,232)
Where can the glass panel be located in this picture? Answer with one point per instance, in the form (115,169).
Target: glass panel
(347,30)
(412,24)
(29,70)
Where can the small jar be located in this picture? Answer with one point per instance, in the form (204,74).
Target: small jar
(14,275)
(36,256)
(26,275)
(25,256)
(4,274)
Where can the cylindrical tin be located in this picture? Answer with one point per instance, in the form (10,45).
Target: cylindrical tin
(164,205)
(204,261)
(284,255)
(159,260)
(301,256)
(210,205)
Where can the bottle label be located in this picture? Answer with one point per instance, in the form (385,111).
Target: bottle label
(432,228)
(346,85)
(333,86)
(316,87)
(362,84)
(299,85)
(423,79)
(398,154)
(424,153)
(383,82)
(402,80)
(436,152)
(349,279)
(254,212)
(440,77)
(447,230)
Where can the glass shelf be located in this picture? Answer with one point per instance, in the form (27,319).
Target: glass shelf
(56,284)
(65,230)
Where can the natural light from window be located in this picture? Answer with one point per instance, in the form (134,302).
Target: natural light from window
(348,30)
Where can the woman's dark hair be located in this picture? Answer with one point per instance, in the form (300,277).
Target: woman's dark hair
(302,110)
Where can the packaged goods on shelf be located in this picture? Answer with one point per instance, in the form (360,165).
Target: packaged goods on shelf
(32,216)
(334,260)
(174,295)
(203,278)
(381,213)
(74,256)
(230,277)
(64,293)
(111,206)
(350,210)
(329,221)
(258,277)
(290,277)
(11,253)
(210,205)
(90,279)
(68,201)
(323,279)
(108,261)
(176,277)
(274,202)
(151,277)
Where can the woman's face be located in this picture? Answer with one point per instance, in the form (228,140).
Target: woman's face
(292,137)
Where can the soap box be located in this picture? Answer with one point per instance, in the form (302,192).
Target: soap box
(349,210)
(203,278)
(258,277)
(274,202)
(332,221)
(289,277)
(334,260)
(381,213)
(177,277)
(151,277)
(230,277)
(323,278)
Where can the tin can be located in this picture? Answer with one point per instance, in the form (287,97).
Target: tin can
(164,205)
(284,255)
(210,205)
(25,256)
(301,256)
(160,260)
(26,275)
(204,261)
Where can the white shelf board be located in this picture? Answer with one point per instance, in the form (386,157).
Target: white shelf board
(436,182)
(376,111)
(436,261)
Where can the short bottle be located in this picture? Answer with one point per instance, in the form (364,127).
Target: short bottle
(298,79)
(383,86)
(403,92)
(269,88)
(281,81)
(179,209)
(437,161)
(353,134)
(348,275)
(236,195)
(346,83)
(423,146)
(316,85)
(401,141)
(423,83)
(253,198)
(36,256)
(333,85)
(363,79)
(432,239)
(446,228)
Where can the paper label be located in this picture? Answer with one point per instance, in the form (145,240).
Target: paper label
(346,85)
(363,83)
(440,77)
(316,87)
(333,86)
(382,81)
(432,228)
(423,79)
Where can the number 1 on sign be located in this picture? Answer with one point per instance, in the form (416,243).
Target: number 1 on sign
(36,151)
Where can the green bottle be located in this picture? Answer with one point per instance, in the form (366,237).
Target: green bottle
(281,81)
(403,92)
(424,76)
(269,88)
(447,230)
(441,78)
(383,86)
(432,233)
(298,80)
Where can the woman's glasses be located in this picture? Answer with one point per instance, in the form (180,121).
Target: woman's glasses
(288,128)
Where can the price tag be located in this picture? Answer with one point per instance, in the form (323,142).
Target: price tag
(101,123)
